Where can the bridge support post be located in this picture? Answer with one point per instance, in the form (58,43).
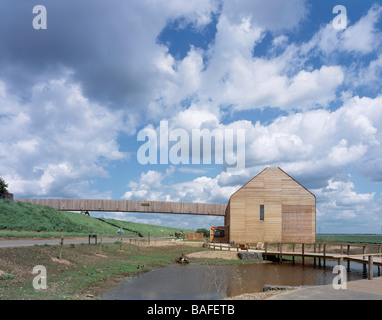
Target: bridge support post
(293,248)
(370,263)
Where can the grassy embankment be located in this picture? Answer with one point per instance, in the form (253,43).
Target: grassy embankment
(22,220)
(83,269)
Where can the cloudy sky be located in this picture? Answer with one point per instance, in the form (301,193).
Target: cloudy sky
(74,97)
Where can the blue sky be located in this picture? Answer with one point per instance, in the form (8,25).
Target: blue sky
(74,96)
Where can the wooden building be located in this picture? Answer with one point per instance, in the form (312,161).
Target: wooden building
(194,236)
(272,207)
(219,234)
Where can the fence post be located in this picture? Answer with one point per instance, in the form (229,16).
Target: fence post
(340,262)
(61,243)
(302,251)
(364,258)
(370,276)
(100,245)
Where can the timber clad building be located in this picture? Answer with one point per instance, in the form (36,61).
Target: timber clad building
(272,207)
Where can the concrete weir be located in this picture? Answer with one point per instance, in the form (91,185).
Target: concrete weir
(256,256)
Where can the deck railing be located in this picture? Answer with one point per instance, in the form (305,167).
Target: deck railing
(358,252)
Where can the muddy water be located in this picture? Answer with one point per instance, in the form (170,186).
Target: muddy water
(200,282)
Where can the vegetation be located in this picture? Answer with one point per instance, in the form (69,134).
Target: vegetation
(83,271)
(21,219)
(205,232)
(349,238)
(3,187)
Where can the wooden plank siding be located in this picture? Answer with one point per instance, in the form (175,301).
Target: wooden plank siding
(220,239)
(289,210)
(131,206)
(297,222)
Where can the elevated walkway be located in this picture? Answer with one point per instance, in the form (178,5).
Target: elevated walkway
(212,209)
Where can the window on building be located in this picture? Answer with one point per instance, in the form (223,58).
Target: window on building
(218,233)
(262,212)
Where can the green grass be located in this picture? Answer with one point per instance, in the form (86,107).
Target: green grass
(7,276)
(21,219)
(144,229)
(349,238)
(86,273)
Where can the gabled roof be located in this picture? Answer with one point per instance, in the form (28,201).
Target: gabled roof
(267,169)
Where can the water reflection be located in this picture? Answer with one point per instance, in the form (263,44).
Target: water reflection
(200,282)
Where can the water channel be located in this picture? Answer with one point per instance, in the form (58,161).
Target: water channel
(205,282)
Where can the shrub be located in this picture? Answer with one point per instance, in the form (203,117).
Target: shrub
(7,276)
(3,187)
(205,232)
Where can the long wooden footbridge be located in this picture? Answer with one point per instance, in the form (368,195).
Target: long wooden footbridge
(212,209)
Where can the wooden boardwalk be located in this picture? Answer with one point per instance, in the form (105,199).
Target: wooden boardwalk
(211,209)
(371,253)
(362,258)
(366,258)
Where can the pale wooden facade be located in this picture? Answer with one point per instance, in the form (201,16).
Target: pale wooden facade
(288,210)
(219,234)
(194,236)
